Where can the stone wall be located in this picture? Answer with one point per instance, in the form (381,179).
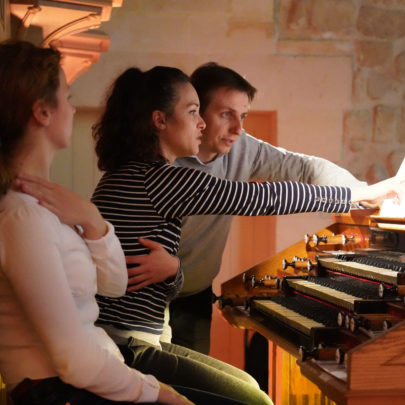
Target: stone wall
(259,38)
(372,32)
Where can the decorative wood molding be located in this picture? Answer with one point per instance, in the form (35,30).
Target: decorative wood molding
(80,51)
(68,25)
(88,22)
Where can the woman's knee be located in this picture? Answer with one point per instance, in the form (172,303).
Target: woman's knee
(151,360)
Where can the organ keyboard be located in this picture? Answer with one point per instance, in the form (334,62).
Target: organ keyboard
(300,322)
(334,300)
(363,270)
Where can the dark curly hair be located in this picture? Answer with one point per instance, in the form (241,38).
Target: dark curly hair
(27,73)
(125,130)
(209,77)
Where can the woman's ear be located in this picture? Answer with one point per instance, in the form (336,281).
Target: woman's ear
(41,112)
(159,119)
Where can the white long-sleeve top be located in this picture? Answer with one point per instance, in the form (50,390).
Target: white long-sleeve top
(49,276)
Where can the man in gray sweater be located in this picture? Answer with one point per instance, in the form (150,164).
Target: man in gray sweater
(228,152)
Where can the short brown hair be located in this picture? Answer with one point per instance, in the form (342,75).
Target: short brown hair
(209,77)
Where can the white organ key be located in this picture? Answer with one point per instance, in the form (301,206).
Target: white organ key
(360,269)
(299,322)
(328,294)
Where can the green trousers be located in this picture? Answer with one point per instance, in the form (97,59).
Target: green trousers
(177,365)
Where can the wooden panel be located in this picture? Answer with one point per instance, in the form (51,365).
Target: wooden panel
(373,363)
(297,389)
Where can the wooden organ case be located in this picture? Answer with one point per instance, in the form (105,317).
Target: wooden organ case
(334,301)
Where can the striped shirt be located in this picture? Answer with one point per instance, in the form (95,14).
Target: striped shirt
(149,200)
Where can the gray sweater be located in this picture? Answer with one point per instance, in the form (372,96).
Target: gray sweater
(203,238)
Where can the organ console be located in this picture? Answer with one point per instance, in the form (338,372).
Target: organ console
(335,301)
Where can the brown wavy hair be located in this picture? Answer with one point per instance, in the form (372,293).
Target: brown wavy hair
(27,73)
(125,131)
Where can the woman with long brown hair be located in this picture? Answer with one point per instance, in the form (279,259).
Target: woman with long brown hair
(56,253)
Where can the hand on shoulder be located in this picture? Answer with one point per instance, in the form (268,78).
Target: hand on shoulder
(69,207)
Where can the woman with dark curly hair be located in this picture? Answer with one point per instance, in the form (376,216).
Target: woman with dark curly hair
(150,119)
